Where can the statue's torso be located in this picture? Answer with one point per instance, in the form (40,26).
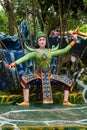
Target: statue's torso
(43,58)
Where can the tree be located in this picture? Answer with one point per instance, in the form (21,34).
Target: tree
(52,14)
(9,6)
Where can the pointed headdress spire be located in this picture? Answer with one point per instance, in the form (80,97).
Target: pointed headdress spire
(39,31)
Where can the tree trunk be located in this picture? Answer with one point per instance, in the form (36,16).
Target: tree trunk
(9,5)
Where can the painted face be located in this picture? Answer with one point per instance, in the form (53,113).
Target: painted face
(42,42)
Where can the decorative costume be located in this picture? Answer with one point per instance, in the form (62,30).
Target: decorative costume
(43,61)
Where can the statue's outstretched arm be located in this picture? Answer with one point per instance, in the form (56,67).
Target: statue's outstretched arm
(64,50)
(23,59)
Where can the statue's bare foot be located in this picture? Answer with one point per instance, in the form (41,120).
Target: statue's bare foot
(66,103)
(23,104)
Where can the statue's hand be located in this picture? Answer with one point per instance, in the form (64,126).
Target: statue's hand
(7,66)
(74,37)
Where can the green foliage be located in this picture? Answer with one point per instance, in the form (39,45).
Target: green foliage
(10,99)
(72,13)
(22,9)
(3,22)
(83,28)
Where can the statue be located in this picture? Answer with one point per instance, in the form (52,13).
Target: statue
(43,57)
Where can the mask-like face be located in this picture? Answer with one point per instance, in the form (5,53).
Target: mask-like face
(42,42)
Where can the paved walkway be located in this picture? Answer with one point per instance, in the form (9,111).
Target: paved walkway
(43,115)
